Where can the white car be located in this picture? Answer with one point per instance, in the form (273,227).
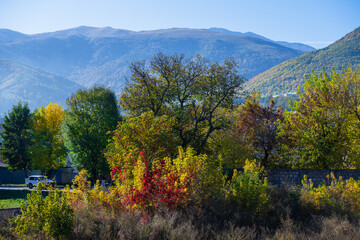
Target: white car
(33,180)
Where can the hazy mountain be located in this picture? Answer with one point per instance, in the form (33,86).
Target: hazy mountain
(287,76)
(9,35)
(84,31)
(19,82)
(297,46)
(88,55)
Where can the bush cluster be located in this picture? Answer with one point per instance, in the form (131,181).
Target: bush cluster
(339,196)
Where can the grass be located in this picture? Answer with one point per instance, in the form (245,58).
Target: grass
(10,203)
(14,194)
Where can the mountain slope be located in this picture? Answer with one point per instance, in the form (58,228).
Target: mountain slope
(90,56)
(297,46)
(287,76)
(19,82)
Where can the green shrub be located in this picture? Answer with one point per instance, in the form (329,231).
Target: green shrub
(249,190)
(44,218)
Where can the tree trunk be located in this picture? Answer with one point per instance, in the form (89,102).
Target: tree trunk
(26,172)
(94,176)
(266,159)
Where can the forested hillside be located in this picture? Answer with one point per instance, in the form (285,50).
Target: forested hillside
(287,76)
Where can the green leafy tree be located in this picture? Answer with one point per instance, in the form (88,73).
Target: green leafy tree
(48,150)
(16,138)
(90,116)
(191,90)
(321,131)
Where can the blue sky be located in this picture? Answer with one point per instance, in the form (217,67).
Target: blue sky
(314,22)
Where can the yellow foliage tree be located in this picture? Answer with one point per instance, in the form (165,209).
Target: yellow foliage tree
(48,151)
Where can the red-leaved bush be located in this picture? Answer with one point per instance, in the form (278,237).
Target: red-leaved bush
(151,187)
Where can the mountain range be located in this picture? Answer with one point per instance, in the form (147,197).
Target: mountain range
(50,66)
(288,75)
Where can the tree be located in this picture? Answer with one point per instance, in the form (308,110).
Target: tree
(90,116)
(258,127)
(322,129)
(48,150)
(16,138)
(191,90)
(145,133)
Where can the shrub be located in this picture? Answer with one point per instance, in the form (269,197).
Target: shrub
(49,218)
(343,196)
(148,186)
(248,189)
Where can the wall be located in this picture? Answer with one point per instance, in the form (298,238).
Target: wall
(280,177)
(8,177)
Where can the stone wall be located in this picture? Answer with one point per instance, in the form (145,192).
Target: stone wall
(281,177)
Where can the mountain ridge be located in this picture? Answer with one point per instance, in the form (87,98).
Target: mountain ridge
(89,55)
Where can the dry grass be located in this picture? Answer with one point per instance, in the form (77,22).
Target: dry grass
(217,220)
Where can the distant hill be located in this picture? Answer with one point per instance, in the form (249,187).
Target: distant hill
(297,46)
(89,55)
(287,76)
(19,82)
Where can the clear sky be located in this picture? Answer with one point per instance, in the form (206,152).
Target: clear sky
(314,22)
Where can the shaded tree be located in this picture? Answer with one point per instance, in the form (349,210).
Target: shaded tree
(91,114)
(191,90)
(258,127)
(16,138)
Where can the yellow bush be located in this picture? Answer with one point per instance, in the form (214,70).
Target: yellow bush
(44,218)
(340,195)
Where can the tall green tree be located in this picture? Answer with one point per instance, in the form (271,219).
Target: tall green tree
(48,150)
(192,90)
(322,128)
(91,114)
(16,138)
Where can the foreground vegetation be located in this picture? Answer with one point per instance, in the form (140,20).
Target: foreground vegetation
(245,207)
